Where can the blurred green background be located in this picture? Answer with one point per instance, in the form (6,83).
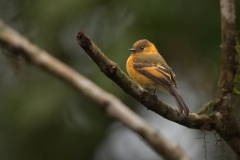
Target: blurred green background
(41,117)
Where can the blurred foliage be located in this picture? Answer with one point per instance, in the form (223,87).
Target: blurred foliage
(43,118)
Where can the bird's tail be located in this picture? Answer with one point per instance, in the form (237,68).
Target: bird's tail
(179,101)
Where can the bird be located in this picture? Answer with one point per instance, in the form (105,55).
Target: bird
(149,70)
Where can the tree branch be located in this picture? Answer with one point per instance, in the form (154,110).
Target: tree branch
(107,102)
(229,53)
(151,102)
(229,129)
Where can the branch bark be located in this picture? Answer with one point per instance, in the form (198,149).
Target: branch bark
(150,101)
(107,102)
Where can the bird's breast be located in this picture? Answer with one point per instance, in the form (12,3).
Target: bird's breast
(141,79)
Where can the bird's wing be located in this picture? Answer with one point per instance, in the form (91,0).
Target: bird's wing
(161,74)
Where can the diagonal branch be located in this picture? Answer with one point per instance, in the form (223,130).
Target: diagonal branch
(151,102)
(107,102)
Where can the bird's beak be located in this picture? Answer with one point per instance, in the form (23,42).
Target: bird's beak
(132,49)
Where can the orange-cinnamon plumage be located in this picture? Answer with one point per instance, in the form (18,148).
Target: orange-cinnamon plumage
(148,68)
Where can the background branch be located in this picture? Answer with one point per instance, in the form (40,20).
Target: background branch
(107,102)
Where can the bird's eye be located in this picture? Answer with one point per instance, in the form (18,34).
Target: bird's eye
(142,47)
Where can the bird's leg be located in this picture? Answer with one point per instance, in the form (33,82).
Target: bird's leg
(154,91)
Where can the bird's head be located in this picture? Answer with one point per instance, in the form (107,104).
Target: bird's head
(143,46)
